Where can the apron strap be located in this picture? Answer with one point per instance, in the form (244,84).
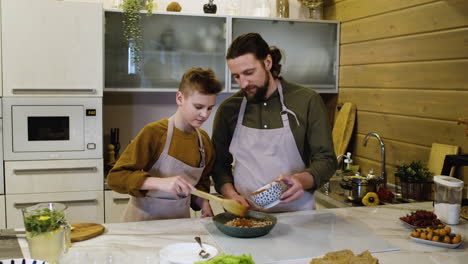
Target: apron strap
(240,117)
(201,149)
(285,110)
(170,132)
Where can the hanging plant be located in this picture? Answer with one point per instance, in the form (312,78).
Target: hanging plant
(132,26)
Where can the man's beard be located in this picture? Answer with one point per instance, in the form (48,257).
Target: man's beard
(260,92)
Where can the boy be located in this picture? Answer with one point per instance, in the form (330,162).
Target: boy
(168,157)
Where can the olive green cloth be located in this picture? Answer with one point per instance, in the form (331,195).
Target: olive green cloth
(131,169)
(313,135)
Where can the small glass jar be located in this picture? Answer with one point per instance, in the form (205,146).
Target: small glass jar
(262,8)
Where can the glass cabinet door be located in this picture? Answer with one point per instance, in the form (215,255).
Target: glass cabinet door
(171,44)
(310,49)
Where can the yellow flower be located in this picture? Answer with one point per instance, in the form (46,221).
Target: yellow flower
(43,218)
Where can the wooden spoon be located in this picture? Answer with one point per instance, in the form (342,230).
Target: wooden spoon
(231,206)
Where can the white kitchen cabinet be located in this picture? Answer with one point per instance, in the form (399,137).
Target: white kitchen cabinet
(1,82)
(83,207)
(310,49)
(172,43)
(2,175)
(2,212)
(44,176)
(115,204)
(52,48)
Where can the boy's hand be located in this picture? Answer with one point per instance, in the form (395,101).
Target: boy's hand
(176,185)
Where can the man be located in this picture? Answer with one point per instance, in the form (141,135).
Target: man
(273,129)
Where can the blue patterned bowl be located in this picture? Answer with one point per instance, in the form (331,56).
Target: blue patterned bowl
(268,195)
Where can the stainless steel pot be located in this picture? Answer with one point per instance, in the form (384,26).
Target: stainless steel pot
(360,186)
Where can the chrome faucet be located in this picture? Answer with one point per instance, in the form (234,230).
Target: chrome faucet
(383,175)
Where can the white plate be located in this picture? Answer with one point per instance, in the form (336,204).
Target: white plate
(437,244)
(22,261)
(185,253)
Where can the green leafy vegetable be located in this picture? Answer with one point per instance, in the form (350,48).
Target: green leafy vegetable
(229,259)
(44,220)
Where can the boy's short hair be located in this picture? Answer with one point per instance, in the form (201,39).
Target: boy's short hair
(201,80)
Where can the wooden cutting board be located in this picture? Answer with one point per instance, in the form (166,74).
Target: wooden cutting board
(343,128)
(84,231)
(437,157)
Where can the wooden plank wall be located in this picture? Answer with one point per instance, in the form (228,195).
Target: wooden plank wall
(404,63)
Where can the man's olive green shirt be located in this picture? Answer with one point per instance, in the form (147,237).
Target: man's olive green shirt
(312,135)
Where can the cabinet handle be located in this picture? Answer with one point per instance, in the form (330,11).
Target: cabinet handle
(54,170)
(65,202)
(53,91)
(121,199)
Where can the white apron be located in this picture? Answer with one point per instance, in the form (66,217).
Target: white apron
(162,205)
(261,155)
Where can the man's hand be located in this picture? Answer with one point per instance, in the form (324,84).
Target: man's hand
(297,184)
(176,185)
(229,192)
(205,206)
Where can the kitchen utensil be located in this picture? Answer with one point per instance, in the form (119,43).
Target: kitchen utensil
(202,252)
(360,187)
(229,205)
(84,231)
(437,157)
(184,253)
(220,221)
(343,127)
(267,196)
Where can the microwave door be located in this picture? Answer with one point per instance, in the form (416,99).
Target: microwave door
(48,128)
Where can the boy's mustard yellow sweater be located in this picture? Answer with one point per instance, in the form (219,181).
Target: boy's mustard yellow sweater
(132,167)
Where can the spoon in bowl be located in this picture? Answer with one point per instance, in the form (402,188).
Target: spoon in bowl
(202,252)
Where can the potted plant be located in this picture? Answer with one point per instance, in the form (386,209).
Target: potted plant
(132,26)
(47,231)
(415,180)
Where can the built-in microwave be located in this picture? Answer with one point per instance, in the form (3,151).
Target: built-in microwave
(52,128)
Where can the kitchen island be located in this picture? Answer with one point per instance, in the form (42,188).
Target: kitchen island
(140,242)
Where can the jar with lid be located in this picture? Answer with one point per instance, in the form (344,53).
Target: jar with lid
(262,8)
(448,196)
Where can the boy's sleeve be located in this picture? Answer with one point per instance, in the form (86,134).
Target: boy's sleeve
(130,171)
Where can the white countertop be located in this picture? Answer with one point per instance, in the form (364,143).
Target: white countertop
(140,242)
